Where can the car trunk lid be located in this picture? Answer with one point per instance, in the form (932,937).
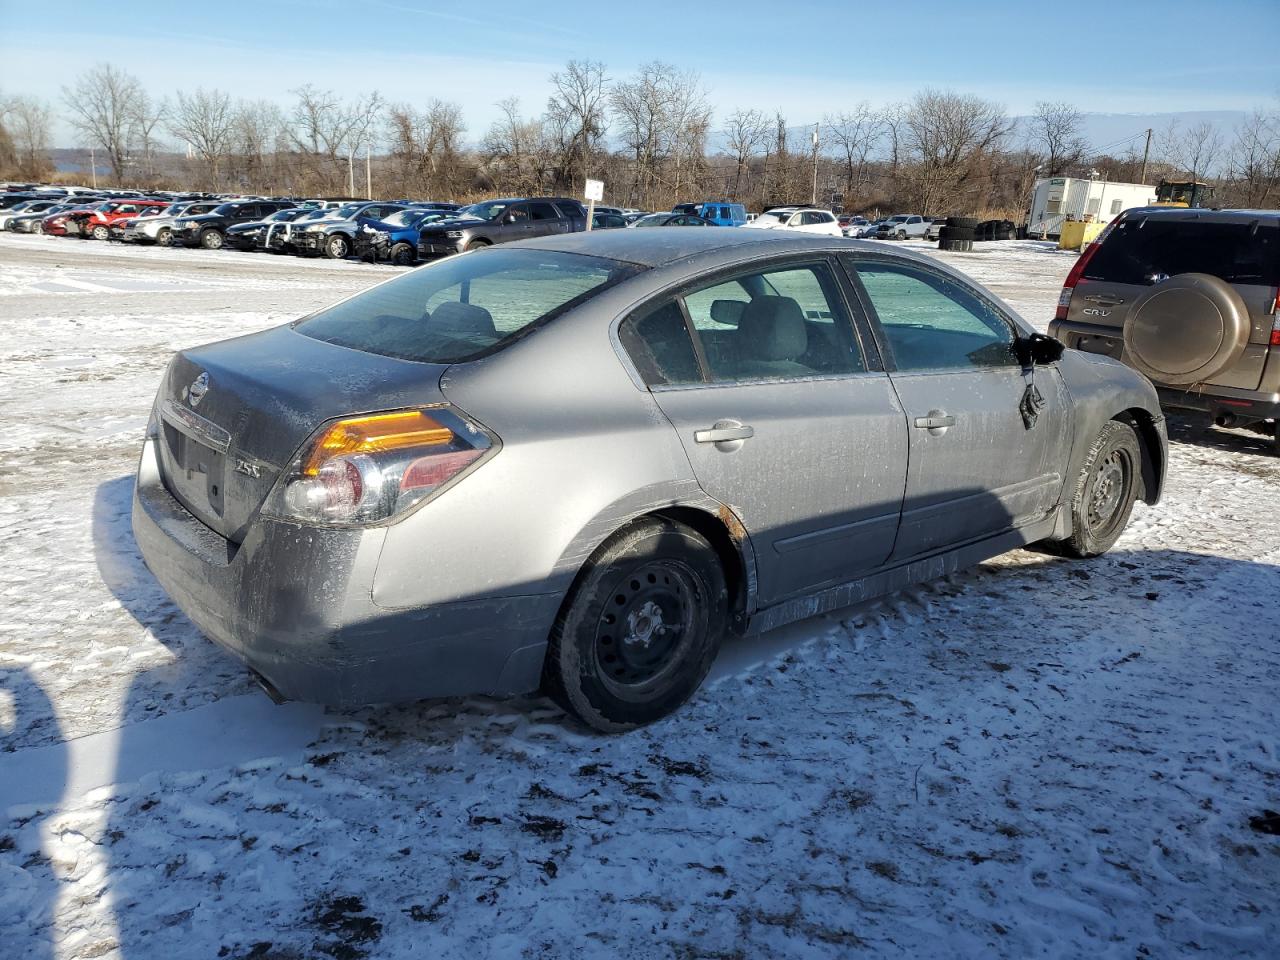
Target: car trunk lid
(233,414)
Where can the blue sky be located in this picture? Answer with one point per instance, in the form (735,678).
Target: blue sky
(804,57)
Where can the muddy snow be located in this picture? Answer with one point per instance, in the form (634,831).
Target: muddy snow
(1033,758)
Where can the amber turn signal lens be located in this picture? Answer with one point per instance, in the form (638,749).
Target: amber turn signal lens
(377,433)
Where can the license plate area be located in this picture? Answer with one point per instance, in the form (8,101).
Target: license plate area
(196,459)
(197,472)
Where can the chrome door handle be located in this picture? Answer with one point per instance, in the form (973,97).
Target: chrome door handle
(724,432)
(936,422)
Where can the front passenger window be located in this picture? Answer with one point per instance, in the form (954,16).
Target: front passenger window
(933,322)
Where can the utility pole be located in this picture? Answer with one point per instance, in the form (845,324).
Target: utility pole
(351,172)
(93,165)
(1146,152)
(813,197)
(368,169)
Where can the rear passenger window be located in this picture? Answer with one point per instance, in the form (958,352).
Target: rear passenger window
(659,345)
(779,324)
(933,322)
(543,211)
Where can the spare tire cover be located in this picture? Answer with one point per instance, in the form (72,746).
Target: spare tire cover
(1186,330)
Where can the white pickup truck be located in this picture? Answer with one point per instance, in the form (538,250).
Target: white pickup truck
(902,226)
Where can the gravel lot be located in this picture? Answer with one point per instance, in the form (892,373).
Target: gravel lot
(1033,758)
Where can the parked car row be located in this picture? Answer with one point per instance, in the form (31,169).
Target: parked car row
(401,232)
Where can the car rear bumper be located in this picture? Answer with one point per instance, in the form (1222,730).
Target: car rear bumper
(294,602)
(1227,404)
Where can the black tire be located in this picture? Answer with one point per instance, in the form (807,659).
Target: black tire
(965,223)
(162,236)
(337,246)
(1104,493)
(944,233)
(640,628)
(211,239)
(478,244)
(402,254)
(900,235)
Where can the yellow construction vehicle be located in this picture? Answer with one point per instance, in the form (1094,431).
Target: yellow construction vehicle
(1183,193)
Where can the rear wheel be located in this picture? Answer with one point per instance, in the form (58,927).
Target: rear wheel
(1104,493)
(640,629)
(211,239)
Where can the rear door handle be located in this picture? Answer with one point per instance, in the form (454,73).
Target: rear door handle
(723,432)
(936,422)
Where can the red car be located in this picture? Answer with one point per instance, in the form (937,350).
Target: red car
(66,222)
(96,223)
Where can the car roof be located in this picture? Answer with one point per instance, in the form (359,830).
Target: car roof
(1200,213)
(660,245)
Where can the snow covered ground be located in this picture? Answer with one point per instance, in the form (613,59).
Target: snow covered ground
(1033,758)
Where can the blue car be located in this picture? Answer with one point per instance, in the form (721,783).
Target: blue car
(722,213)
(395,239)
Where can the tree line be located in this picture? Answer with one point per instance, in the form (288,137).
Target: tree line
(651,136)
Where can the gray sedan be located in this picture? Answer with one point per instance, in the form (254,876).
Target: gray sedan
(579,463)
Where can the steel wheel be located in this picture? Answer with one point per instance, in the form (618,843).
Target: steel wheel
(1108,484)
(1111,476)
(645,625)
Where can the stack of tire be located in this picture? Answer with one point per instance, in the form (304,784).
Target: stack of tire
(957,234)
(996,230)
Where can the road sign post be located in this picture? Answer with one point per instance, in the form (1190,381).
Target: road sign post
(593,190)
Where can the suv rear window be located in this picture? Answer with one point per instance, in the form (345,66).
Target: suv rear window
(464,307)
(1139,249)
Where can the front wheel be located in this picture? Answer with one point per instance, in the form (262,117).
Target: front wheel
(478,245)
(1104,493)
(162,237)
(211,239)
(37,227)
(402,254)
(640,629)
(902,235)
(336,247)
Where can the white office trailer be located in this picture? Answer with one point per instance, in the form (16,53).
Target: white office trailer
(1056,200)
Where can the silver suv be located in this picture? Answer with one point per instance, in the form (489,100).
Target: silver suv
(1191,298)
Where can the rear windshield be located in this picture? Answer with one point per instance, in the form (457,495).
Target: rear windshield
(465,306)
(1144,249)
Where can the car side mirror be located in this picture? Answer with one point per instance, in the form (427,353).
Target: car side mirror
(1039,348)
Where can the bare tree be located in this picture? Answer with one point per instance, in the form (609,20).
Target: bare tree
(1254,159)
(576,113)
(206,122)
(104,103)
(948,135)
(855,132)
(1055,135)
(426,147)
(257,132)
(516,150)
(745,133)
(27,121)
(328,132)
(1194,151)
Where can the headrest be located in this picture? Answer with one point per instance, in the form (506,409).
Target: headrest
(728,312)
(772,328)
(464,318)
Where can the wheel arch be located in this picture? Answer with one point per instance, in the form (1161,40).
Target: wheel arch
(1151,441)
(721,528)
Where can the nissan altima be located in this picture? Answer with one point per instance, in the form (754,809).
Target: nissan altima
(579,463)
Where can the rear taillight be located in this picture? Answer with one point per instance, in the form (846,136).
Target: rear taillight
(1275,321)
(1077,270)
(372,468)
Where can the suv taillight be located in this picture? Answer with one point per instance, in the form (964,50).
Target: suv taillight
(1275,321)
(1064,298)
